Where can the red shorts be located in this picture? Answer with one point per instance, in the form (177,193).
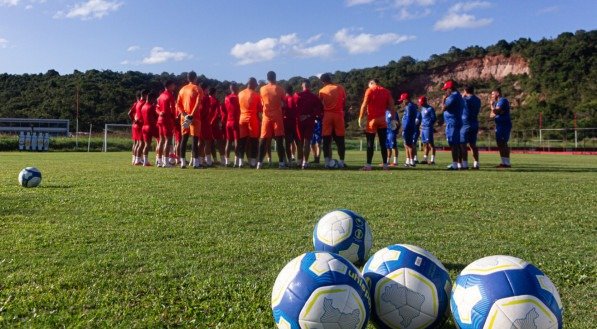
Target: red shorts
(217,132)
(272,127)
(374,124)
(166,129)
(232,131)
(148,133)
(206,133)
(249,127)
(177,132)
(333,122)
(304,129)
(136,132)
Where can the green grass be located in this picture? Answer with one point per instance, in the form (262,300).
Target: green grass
(94,247)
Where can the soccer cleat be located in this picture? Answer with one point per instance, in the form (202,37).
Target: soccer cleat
(386,167)
(501,165)
(147,164)
(366,168)
(475,168)
(393,165)
(305,166)
(450,167)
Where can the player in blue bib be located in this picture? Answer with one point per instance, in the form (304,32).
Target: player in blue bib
(470,127)
(452,108)
(408,128)
(418,119)
(393,122)
(428,120)
(316,141)
(500,112)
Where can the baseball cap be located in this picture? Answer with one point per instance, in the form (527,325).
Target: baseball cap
(422,100)
(403,97)
(448,85)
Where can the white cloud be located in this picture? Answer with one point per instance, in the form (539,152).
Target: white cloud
(324,50)
(351,3)
(3,43)
(159,55)
(549,10)
(267,49)
(405,13)
(125,62)
(9,3)
(133,48)
(367,43)
(422,3)
(90,9)
(458,17)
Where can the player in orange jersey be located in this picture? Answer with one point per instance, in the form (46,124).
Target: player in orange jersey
(333,97)
(377,100)
(249,128)
(272,125)
(189,105)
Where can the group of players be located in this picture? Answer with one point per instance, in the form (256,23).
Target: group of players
(247,122)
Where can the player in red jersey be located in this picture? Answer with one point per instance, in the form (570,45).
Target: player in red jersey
(232,111)
(217,126)
(205,135)
(166,111)
(308,109)
(290,125)
(139,120)
(149,130)
(135,132)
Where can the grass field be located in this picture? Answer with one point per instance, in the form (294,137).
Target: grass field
(104,244)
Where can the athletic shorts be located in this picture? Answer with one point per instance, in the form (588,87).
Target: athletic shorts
(272,127)
(194,129)
(136,132)
(305,129)
(416,136)
(333,122)
(502,133)
(453,134)
(166,129)
(148,133)
(374,124)
(249,127)
(391,138)
(468,135)
(316,138)
(408,135)
(427,135)
(232,132)
(206,132)
(177,132)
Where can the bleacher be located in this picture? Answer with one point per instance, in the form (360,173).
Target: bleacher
(14,126)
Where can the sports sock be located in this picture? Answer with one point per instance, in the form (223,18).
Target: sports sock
(415,158)
(504,160)
(395,160)
(433,158)
(459,165)
(134,158)
(209,160)
(464,164)
(223,160)
(327,161)
(475,164)
(507,161)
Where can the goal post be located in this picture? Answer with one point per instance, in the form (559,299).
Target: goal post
(116,133)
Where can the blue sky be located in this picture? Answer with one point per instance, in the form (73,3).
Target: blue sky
(232,40)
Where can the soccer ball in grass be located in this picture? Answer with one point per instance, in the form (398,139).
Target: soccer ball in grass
(333,164)
(320,290)
(505,292)
(30,177)
(409,287)
(345,233)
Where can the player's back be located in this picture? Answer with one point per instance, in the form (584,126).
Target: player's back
(166,106)
(149,114)
(272,97)
(410,116)
(470,112)
(307,103)
(249,101)
(188,98)
(428,117)
(232,106)
(333,97)
(453,105)
(504,117)
(378,99)
(139,107)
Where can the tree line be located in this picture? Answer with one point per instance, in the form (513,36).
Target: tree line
(561,85)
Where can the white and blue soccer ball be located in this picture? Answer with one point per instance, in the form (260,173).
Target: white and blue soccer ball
(30,177)
(320,290)
(344,232)
(333,164)
(409,287)
(505,292)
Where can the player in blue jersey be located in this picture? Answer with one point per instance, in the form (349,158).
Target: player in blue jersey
(393,122)
(452,107)
(470,127)
(418,119)
(316,141)
(408,127)
(500,112)
(428,120)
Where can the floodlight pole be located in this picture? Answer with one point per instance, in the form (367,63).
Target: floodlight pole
(106,138)
(575,132)
(77,120)
(89,139)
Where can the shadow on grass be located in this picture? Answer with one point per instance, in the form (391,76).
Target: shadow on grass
(454,267)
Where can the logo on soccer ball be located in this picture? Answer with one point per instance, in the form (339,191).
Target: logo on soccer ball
(520,312)
(340,306)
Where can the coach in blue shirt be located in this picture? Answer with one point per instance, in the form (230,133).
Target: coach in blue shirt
(408,127)
(452,106)
(470,126)
(500,112)
(427,121)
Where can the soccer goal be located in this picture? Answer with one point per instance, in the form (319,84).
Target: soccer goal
(117,137)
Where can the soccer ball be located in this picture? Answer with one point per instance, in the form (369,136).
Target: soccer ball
(30,177)
(505,292)
(320,290)
(409,287)
(333,164)
(345,233)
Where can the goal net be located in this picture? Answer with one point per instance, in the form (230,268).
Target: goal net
(117,137)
